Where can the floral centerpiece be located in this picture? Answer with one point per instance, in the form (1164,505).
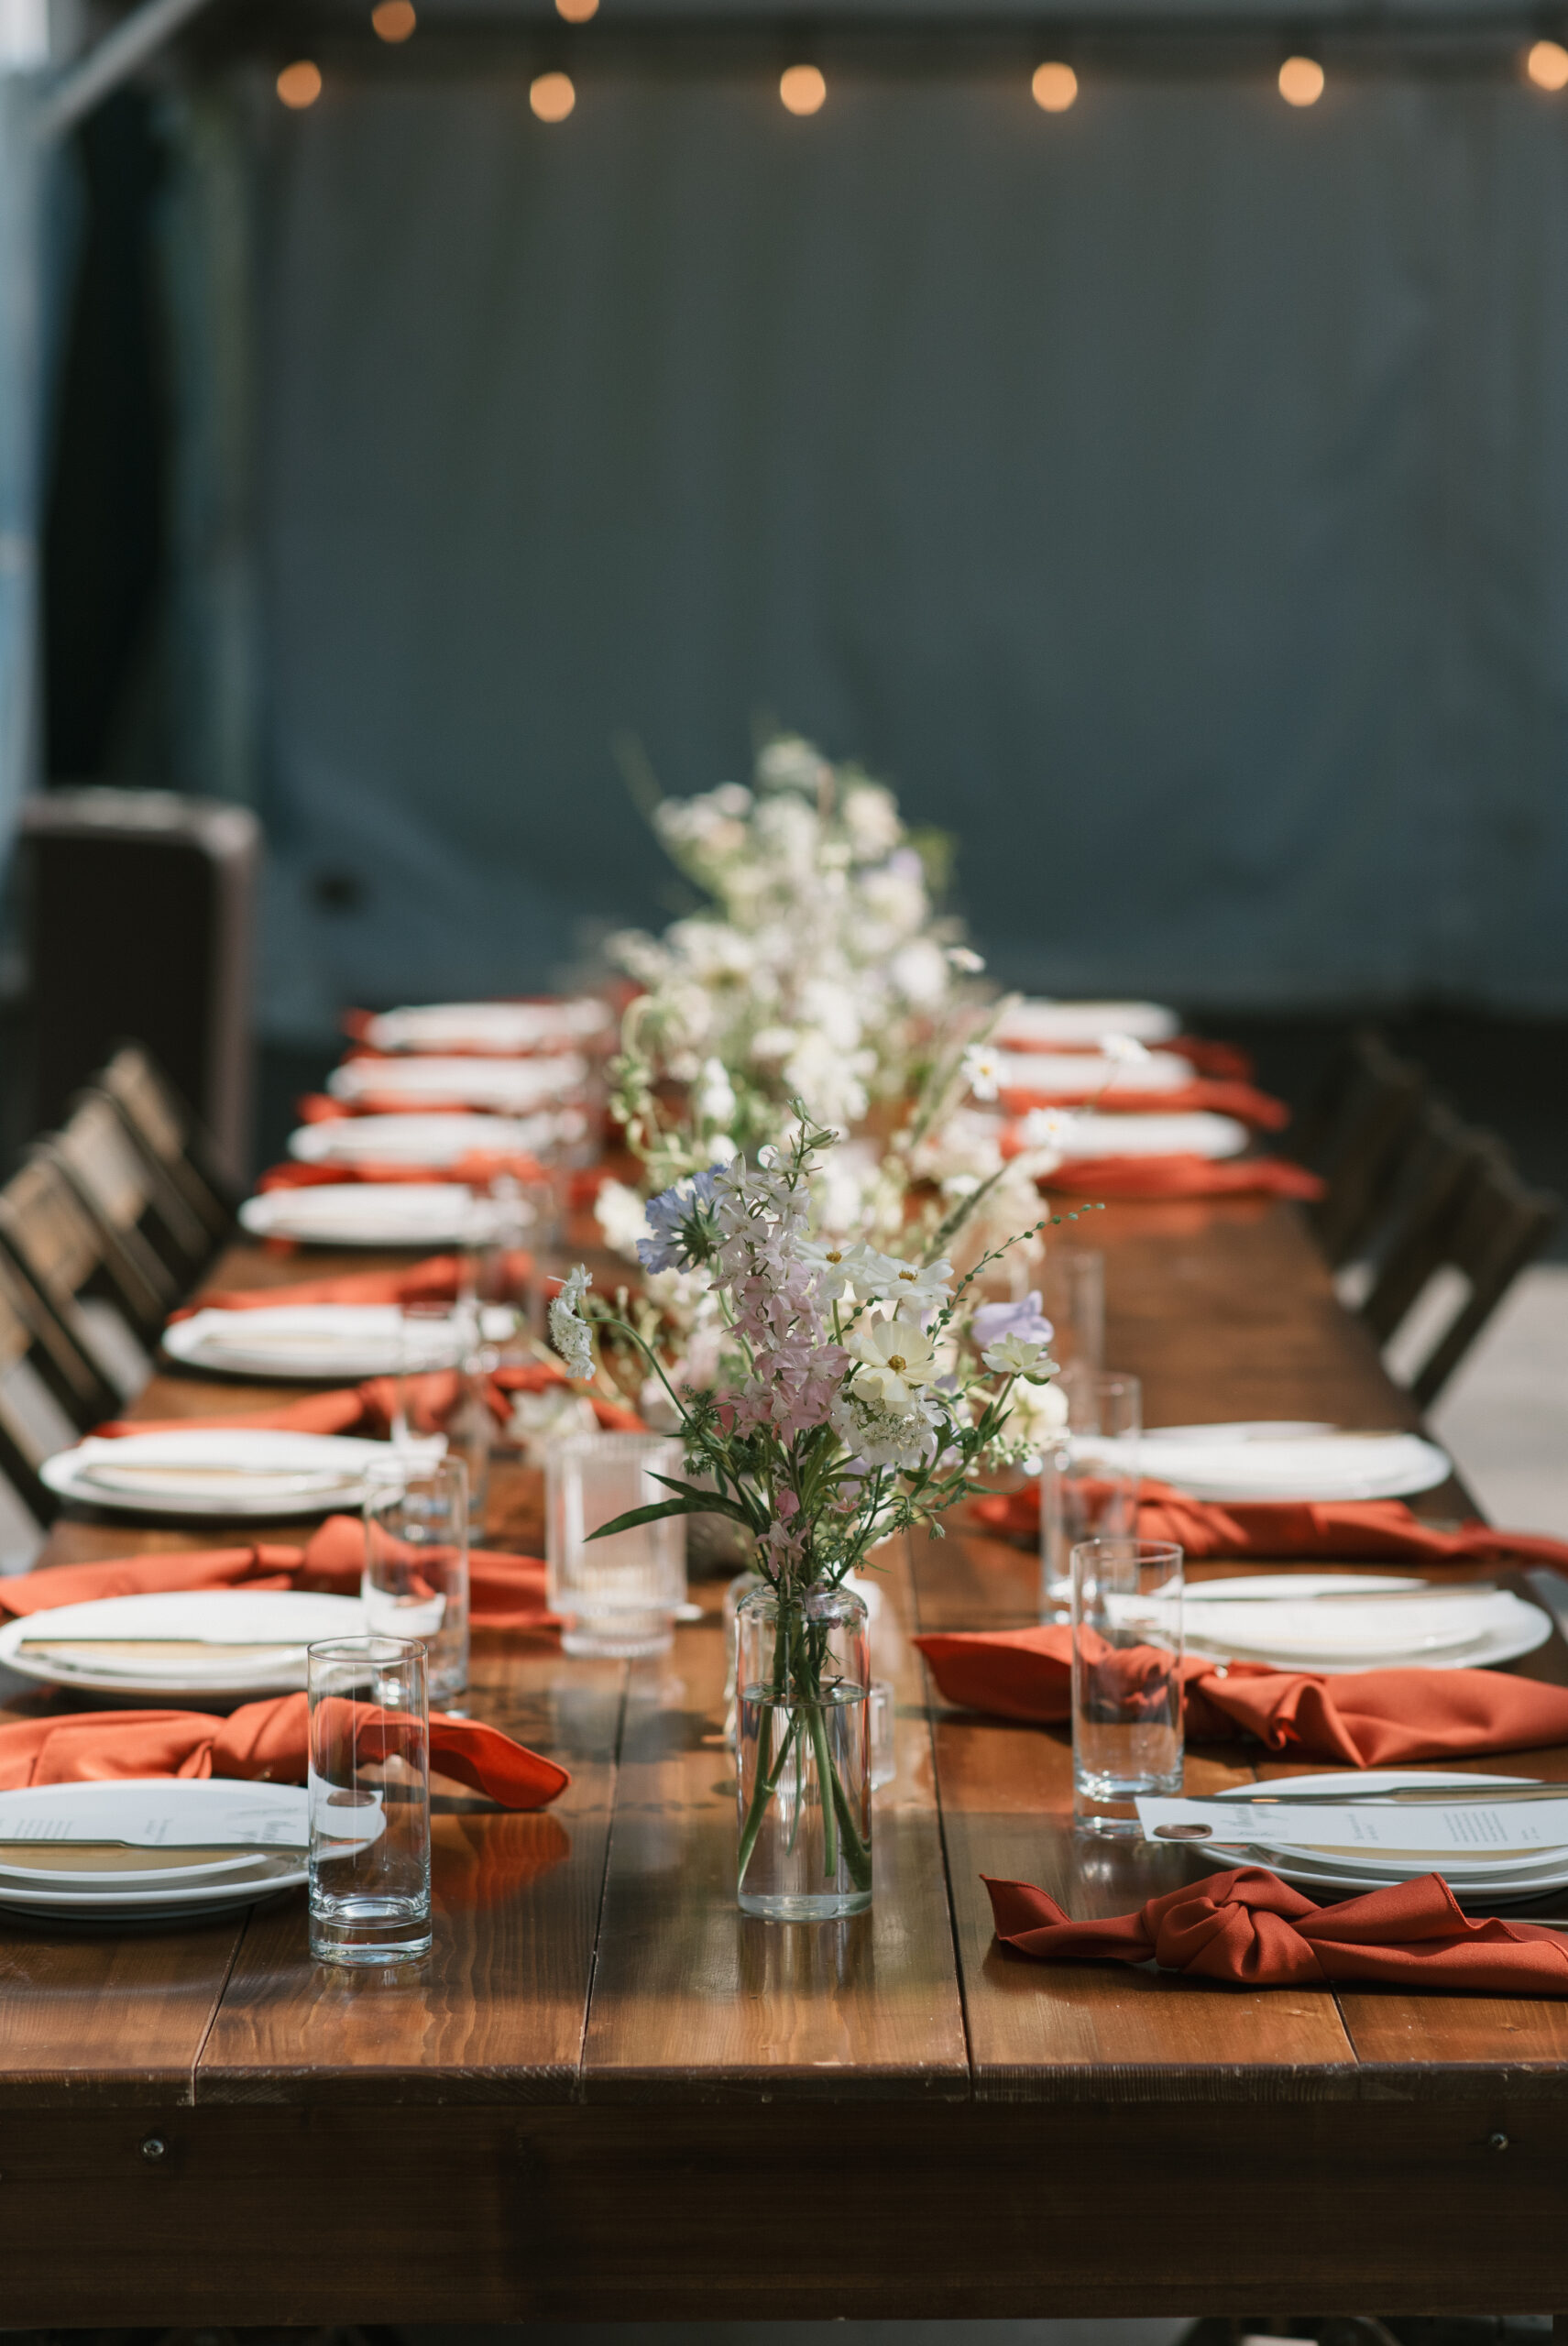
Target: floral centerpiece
(861,1395)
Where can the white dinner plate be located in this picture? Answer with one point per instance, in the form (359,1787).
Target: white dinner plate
(511,1086)
(370,1213)
(104,1888)
(336,1342)
(506,1028)
(230,1644)
(232,1472)
(1445,1631)
(437,1140)
(1038,1022)
(1349,1876)
(1280,1459)
(1196,1133)
(1078,1075)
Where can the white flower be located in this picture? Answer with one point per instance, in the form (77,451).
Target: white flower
(1050,1128)
(917,1289)
(961,958)
(1125,1049)
(568,1334)
(714,1100)
(904,1439)
(833,1260)
(896,1357)
(982,1070)
(1018,1356)
(772,1043)
(1038,1413)
(619,1213)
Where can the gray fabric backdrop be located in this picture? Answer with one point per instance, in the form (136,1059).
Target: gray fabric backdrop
(1169,498)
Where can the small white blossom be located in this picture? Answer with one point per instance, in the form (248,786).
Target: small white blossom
(1125,1049)
(569,1332)
(896,1357)
(1018,1356)
(982,1070)
(962,957)
(619,1213)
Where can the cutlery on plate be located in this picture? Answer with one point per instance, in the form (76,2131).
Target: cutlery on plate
(191,1849)
(1398,1796)
(1231,1591)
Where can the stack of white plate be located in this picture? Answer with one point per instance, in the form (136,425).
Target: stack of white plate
(1081,1075)
(510,1087)
(1033,1024)
(506,1029)
(60,1862)
(215,1645)
(1517,1853)
(1088,1131)
(1345,1621)
(225,1472)
(335,1343)
(1278,1458)
(370,1213)
(436,1139)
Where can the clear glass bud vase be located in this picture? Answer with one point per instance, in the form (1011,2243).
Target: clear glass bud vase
(802,1749)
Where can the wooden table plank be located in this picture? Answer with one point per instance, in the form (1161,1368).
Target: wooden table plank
(691,1997)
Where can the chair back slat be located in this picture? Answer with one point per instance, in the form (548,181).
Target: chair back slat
(1357,1135)
(166,1129)
(33,1424)
(83,1274)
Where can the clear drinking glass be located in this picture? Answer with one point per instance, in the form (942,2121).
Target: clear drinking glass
(415,1580)
(1088,1477)
(619,1596)
(430,1337)
(370,1801)
(803,1756)
(1073,1300)
(881,1704)
(1126,1679)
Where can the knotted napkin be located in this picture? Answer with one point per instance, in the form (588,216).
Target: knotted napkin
(267,1742)
(1219,1095)
(1373,1718)
(368,1408)
(1131,1178)
(504,1592)
(1291,1530)
(438,1279)
(1252,1930)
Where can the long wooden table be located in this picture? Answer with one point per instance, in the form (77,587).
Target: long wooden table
(608,2093)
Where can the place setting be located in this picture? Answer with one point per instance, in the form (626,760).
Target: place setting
(511,1087)
(151,1856)
(333,1342)
(436,1140)
(221,1473)
(400,1215)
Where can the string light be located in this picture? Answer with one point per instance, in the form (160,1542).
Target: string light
(1547,65)
(552,97)
(1300,81)
(576,12)
(300,84)
(393,20)
(803,89)
(1054,88)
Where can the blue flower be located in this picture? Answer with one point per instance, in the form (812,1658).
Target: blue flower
(681,1219)
(994,1321)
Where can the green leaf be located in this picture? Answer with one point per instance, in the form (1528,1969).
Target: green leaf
(690,1502)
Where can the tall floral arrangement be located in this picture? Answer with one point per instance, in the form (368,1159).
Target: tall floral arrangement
(863,1396)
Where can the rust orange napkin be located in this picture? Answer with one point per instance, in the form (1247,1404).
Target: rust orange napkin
(368,1408)
(1373,1718)
(1132,1178)
(475,1170)
(263,1741)
(1252,1930)
(435,1280)
(1222,1094)
(1292,1531)
(504,1592)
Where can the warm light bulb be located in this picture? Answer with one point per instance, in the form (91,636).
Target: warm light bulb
(576,12)
(552,97)
(1300,81)
(300,84)
(393,20)
(1054,87)
(1547,65)
(803,89)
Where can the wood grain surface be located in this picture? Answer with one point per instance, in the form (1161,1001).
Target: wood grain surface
(540,2120)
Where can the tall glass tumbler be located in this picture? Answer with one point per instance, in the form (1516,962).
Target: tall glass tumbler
(1126,1679)
(1089,1478)
(370,1801)
(619,1596)
(1073,1298)
(415,1579)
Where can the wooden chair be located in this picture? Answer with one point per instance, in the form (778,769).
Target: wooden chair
(1467,1226)
(154,1230)
(84,1276)
(1358,1133)
(166,1129)
(35,1420)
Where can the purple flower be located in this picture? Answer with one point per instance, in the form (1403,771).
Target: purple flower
(994,1321)
(682,1221)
